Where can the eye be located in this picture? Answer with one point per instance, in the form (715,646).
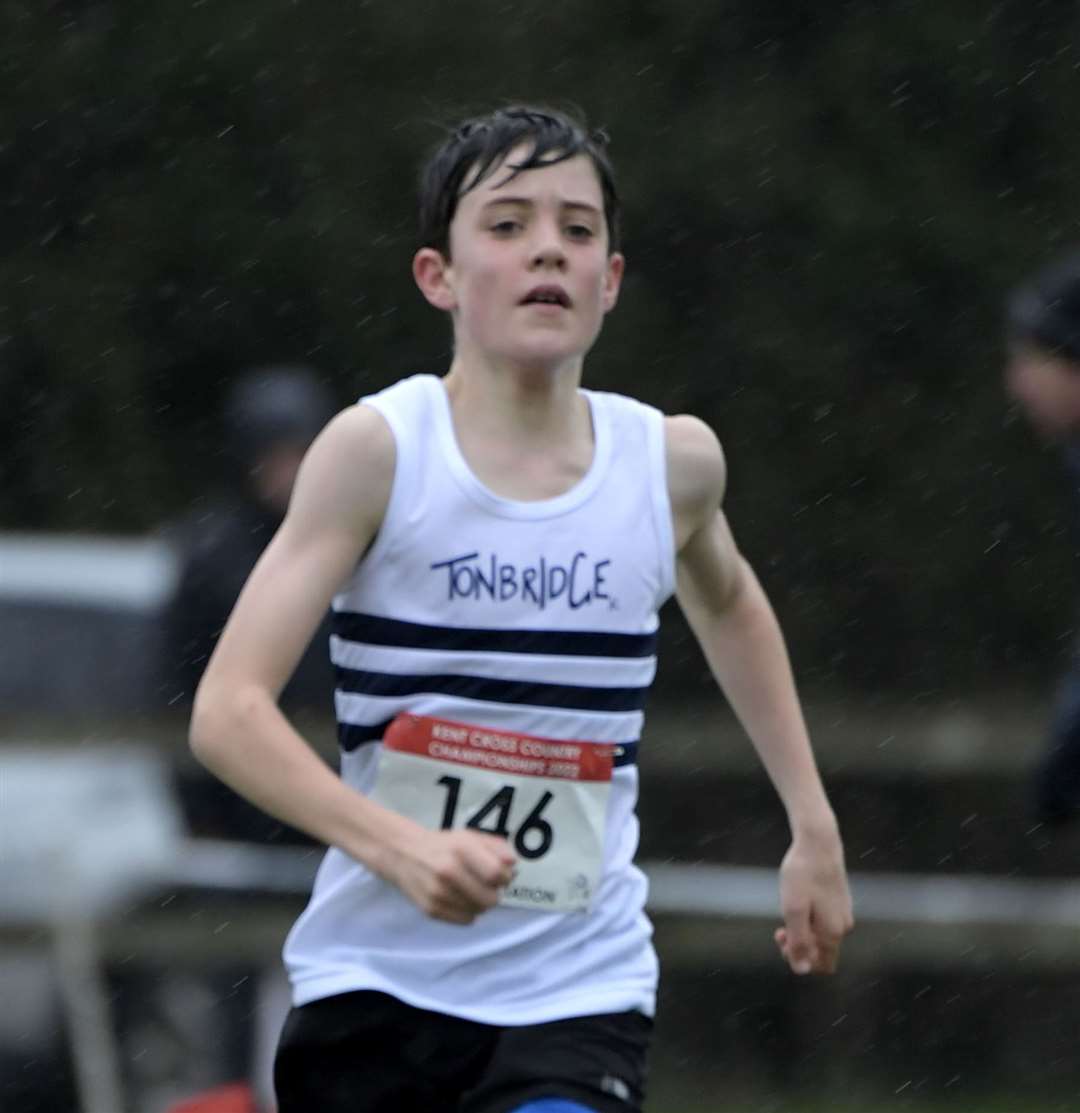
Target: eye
(505,227)
(579,232)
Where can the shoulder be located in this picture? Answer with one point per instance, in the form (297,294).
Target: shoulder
(359,429)
(696,468)
(348,470)
(360,433)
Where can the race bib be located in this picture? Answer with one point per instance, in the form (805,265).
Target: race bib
(547,798)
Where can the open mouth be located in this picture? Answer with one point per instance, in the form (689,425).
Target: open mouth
(547,295)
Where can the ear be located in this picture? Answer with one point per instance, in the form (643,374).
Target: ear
(431,273)
(616,264)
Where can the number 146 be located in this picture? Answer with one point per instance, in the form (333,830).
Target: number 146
(533,837)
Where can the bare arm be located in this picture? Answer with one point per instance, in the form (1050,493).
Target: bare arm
(735,625)
(237,729)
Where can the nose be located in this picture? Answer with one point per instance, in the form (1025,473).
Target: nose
(547,248)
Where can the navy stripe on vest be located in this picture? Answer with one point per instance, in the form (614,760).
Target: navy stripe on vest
(352,736)
(374,630)
(573,696)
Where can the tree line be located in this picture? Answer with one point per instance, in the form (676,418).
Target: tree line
(824,208)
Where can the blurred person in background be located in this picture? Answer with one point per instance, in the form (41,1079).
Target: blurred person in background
(271,416)
(1042,373)
(218,1028)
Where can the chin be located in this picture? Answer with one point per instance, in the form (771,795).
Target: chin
(544,357)
(552,350)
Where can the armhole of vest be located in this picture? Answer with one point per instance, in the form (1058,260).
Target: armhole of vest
(403,465)
(660,499)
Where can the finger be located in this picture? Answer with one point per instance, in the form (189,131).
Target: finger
(800,948)
(784,945)
(457,885)
(832,925)
(780,938)
(827,953)
(476,893)
(827,957)
(500,847)
(488,865)
(451,913)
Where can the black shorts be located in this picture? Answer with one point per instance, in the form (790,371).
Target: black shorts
(369,1051)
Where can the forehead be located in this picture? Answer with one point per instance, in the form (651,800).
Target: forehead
(570,181)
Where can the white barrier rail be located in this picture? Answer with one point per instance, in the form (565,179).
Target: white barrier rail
(89,835)
(701,889)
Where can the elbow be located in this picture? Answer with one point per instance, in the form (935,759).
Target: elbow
(220,716)
(204,728)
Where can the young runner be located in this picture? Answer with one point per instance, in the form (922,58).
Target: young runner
(495,544)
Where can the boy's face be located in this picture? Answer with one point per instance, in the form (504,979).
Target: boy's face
(1047,388)
(529,277)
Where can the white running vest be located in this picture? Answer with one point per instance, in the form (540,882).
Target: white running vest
(533,617)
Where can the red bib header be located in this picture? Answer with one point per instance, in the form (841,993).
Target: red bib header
(485,748)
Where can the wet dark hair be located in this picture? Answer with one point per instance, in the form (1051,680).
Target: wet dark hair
(1045,309)
(474,149)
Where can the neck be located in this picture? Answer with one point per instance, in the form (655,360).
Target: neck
(527,401)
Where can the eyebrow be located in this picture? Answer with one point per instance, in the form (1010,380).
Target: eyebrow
(528,201)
